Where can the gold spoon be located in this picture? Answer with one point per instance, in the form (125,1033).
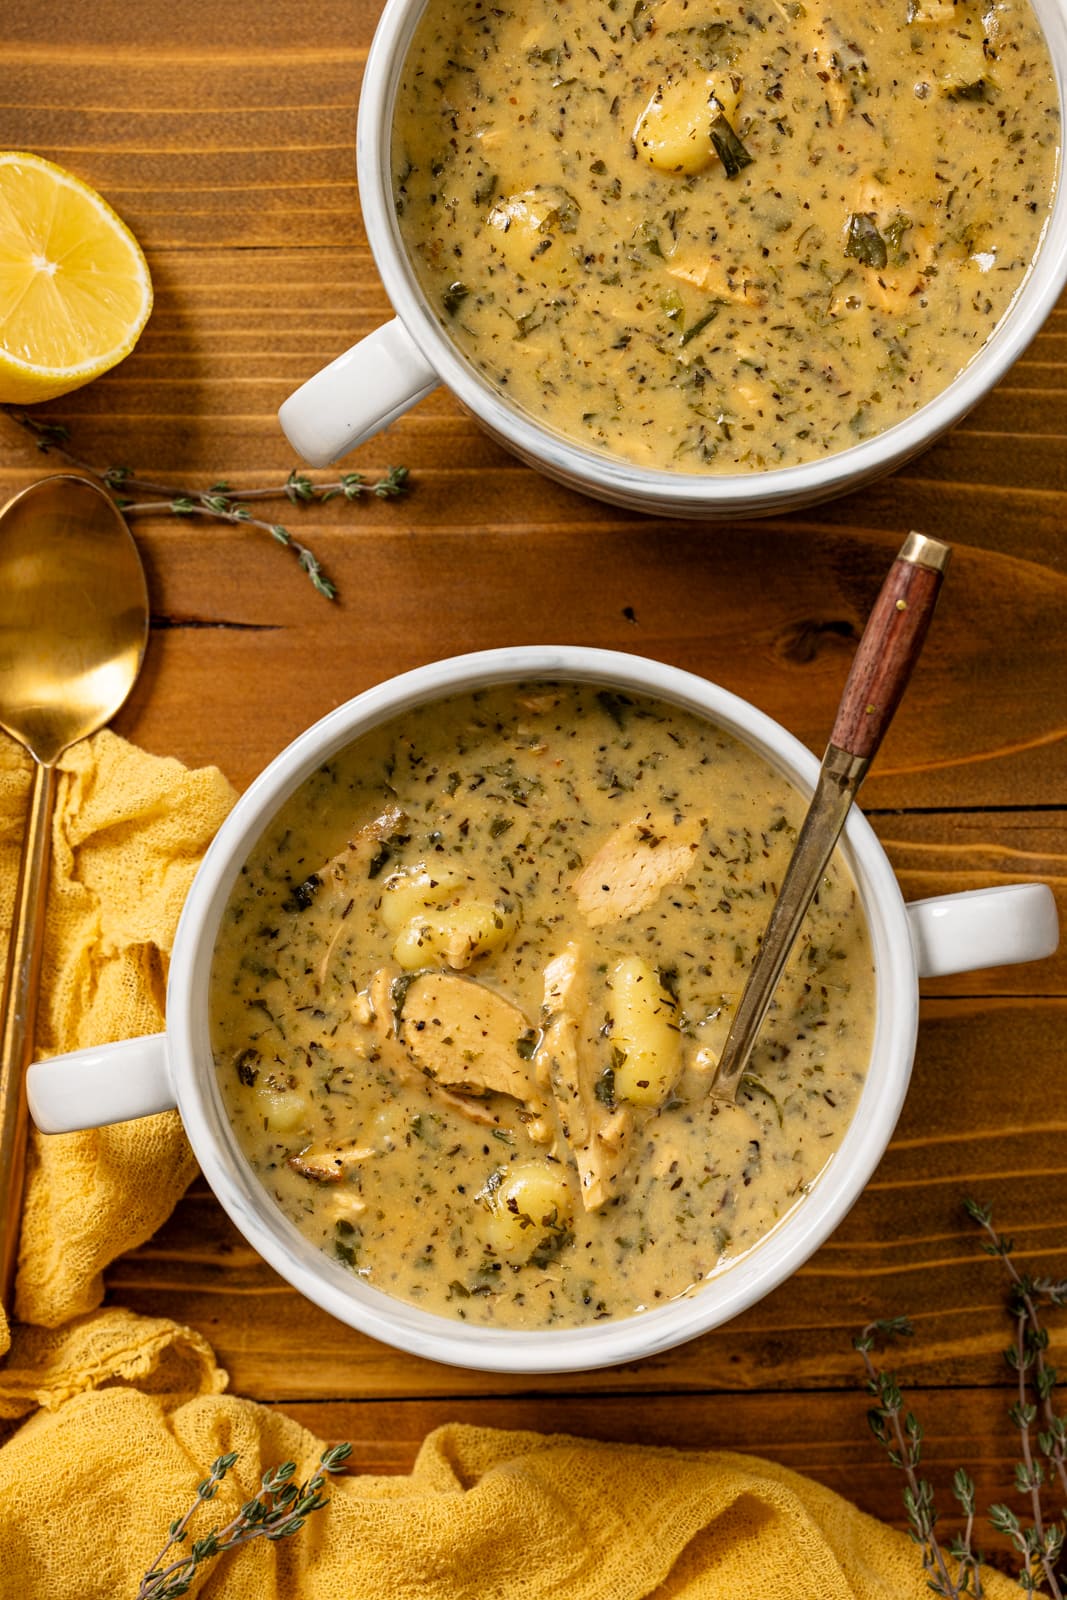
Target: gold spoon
(73,629)
(887,652)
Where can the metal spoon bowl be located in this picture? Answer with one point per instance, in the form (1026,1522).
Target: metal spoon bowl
(73,630)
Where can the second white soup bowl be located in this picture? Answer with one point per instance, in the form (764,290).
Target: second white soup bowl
(382,376)
(138,1077)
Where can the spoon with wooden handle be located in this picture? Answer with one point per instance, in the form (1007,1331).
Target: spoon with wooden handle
(73,628)
(888,650)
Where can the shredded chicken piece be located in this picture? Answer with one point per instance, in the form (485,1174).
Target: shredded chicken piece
(474,1110)
(599,1137)
(733,283)
(635,864)
(356,857)
(328,1164)
(456,1040)
(360,849)
(465,1036)
(835,60)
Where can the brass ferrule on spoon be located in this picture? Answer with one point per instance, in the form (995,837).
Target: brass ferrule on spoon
(888,650)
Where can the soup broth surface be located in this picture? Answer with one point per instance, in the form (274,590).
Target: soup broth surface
(717,237)
(470,989)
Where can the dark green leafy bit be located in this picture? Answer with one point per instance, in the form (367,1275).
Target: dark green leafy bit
(486,189)
(617,706)
(980,89)
(751,1083)
(398,993)
(454,297)
(379,859)
(699,325)
(604,1088)
(894,232)
(728,147)
(668,977)
(526,1044)
(565,214)
(553,1244)
(302,894)
(706,43)
(346,1243)
(646,235)
(247,1067)
(865,244)
(640,21)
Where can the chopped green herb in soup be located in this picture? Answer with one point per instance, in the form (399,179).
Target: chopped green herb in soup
(717,237)
(470,990)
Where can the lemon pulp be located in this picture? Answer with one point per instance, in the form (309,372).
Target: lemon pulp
(75,291)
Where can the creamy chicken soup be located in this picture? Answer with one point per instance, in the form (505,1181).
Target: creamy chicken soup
(712,236)
(469,992)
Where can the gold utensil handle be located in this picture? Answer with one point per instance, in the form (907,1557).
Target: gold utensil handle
(18,1013)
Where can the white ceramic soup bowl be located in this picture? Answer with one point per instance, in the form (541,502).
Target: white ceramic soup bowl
(378,379)
(91,1087)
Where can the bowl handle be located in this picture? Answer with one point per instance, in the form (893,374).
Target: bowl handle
(995,927)
(105,1083)
(357,395)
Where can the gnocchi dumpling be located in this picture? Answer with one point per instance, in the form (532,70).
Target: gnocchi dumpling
(673,132)
(283,1110)
(644,1035)
(931,12)
(454,934)
(407,894)
(531,1201)
(531,233)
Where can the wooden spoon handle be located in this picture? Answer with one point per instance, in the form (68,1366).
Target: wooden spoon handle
(18,1014)
(890,645)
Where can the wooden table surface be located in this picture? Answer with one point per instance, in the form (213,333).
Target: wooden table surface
(223,133)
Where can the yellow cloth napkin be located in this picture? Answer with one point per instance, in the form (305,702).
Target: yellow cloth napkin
(128,834)
(89,1492)
(129,1411)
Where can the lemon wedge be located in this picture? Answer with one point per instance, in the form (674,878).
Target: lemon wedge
(74,286)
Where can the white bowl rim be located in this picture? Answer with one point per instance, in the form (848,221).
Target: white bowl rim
(778,488)
(330,1285)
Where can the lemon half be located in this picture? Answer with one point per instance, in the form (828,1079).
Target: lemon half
(74,286)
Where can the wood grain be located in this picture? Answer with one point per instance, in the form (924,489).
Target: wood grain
(224,134)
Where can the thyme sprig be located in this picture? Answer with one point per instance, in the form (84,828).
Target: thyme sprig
(221,502)
(279,1509)
(901,1435)
(1040,1545)
(1042,1435)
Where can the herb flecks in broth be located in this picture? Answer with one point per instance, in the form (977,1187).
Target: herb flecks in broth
(717,238)
(470,990)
